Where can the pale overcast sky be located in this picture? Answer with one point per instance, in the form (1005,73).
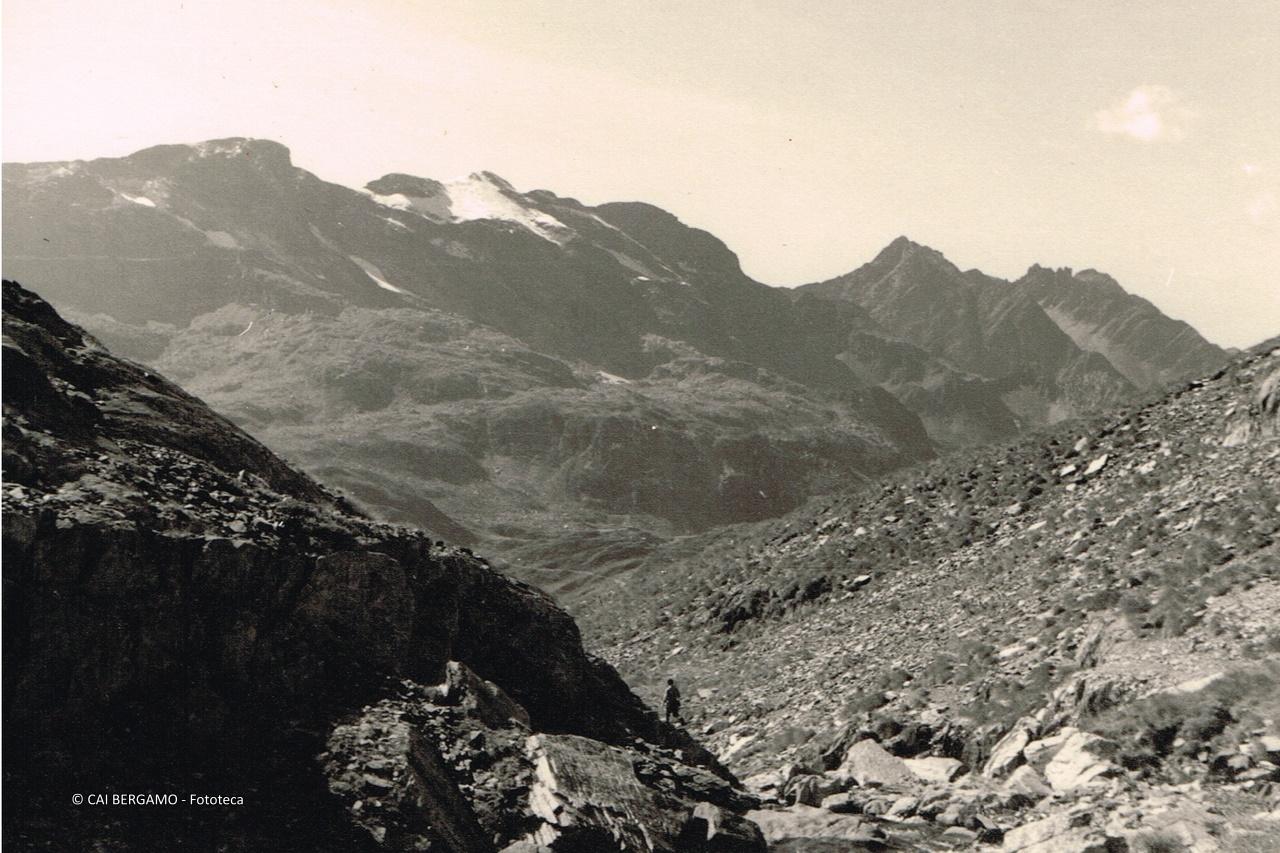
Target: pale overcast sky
(1140,138)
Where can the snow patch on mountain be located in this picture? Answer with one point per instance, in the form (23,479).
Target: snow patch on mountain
(138,199)
(432,207)
(376,275)
(221,239)
(219,148)
(480,196)
(642,271)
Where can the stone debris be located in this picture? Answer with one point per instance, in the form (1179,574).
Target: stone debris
(1070,832)
(935,768)
(868,763)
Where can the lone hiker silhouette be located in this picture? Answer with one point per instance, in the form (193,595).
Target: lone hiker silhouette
(671,700)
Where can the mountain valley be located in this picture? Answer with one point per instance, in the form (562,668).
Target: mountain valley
(561,383)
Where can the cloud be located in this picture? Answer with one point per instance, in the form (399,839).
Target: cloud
(1147,114)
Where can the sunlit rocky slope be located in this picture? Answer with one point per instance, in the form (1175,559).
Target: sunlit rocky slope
(1069,639)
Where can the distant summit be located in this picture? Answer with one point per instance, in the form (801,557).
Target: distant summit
(967,324)
(1056,344)
(1151,349)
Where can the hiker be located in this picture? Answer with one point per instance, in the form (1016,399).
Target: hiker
(672,701)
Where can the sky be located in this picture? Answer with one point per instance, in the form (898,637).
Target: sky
(1138,138)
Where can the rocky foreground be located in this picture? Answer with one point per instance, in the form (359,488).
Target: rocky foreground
(185,614)
(1064,644)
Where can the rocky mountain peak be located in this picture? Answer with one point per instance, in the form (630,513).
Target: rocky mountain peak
(1151,349)
(1066,278)
(492,178)
(1099,280)
(903,250)
(265,155)
(263,151)
(407,185)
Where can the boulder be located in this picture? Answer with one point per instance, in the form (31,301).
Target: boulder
(1082,695)
(903,807)
(877,806)
(1039,753)
(768,784)
(1096,465)
(1007,753)
(1026,780)
(808,789)
(793,769)
(987,830)
(933,802)
(807,822)
(584,792)
(395,784)
(842,803)
(1089,651)
(1068,832)
(869,764)
(711,829)
(955,814)
(1181,835)
(1084,759)
(934,769)
(960,835)
(484,699)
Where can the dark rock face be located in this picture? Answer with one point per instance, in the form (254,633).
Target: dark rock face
(185,613)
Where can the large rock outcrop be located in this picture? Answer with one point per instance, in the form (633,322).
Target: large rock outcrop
(186,614)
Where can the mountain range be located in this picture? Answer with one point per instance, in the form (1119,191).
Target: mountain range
(554,379)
